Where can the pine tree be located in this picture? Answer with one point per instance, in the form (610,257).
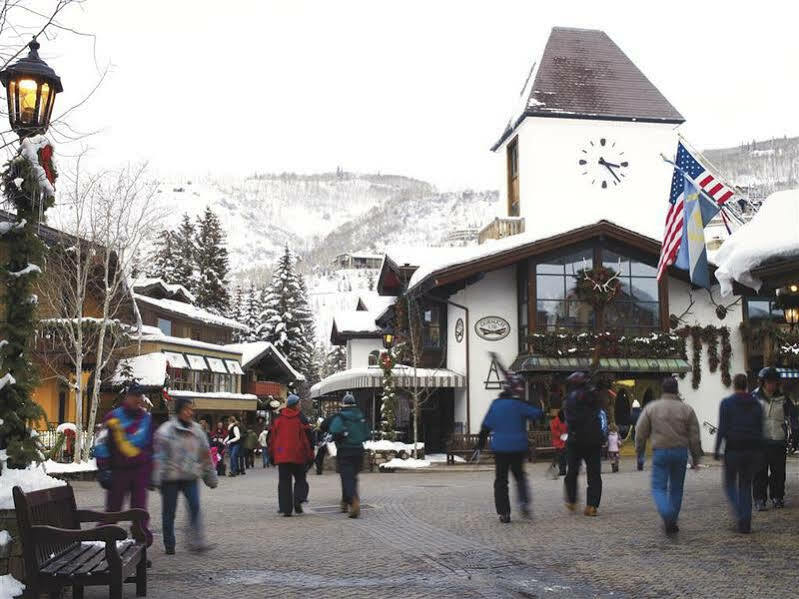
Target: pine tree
(335,360)
(281,321)
(311,365)
(238,312)
(24,257)
(184,264)
(254,301)
(211,291)
(162,259)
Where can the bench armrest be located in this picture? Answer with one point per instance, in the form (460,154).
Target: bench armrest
(136,515)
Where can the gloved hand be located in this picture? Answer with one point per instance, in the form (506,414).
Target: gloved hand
(105,478)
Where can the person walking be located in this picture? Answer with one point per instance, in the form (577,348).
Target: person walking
(323,437)
(233,445)
(263,441)
(349,430)
(559,432)
(506,422)
(182,455)
(741,431)
(769,480)
(584,444)
(218,443)
(124,453)
(674,430)
(614,446)
(290,448)
(249,443)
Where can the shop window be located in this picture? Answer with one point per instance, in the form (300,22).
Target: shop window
(760,311)
(557,306)
(431,327)
(636,309)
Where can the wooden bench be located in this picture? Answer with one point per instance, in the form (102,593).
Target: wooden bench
(463,445)
(58,554)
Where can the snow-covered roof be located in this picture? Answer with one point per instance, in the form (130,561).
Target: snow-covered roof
(143,283)
(211,395)
(371,377)
(356,323)
(254,350)
(146,369)
(154,334)
(773,233)
(376,303)
(418,255)
(538,230)
(192,312)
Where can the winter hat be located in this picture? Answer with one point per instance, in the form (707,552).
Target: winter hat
(348,399)
(182,402)
(669,385)
(636,404)
(292,400)
(134,389)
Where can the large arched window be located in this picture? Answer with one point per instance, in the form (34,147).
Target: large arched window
(636,310)
(374,358)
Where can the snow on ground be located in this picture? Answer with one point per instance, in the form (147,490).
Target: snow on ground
(33,479)
(52,467)
(390,446)
(66,426)
(10,587)
(441,458)
(772,233)
(409,464)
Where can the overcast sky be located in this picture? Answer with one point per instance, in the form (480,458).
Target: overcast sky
(421,88)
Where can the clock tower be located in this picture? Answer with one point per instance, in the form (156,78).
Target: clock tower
(586,140)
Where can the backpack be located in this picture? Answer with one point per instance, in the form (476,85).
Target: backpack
(355,431)
(603,423)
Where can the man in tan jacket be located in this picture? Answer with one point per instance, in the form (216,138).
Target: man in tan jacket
(674,430)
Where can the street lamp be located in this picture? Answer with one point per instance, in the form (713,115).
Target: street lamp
(788,301)
(791,316)
(388,338)
(31,89)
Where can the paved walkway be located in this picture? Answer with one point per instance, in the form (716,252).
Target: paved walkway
(434,534)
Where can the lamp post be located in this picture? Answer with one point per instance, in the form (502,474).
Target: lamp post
(791,316)
(388,338)
(31,86)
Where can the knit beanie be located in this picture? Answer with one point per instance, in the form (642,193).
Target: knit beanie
(292,400)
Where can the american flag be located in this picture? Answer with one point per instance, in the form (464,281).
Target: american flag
(705,180)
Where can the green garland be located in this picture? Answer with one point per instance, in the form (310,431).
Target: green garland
(709,335)
(388,405)
(779,344)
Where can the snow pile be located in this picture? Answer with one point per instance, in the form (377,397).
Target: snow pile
(5,227)
(441,458)
(66,426)
(10,587)
(33,479)
(772,233)
(386,445)
(29,148)
(52,467)
(356,322)
(193,312)
(30,268)
(146,369)
(409,464)
(171,288)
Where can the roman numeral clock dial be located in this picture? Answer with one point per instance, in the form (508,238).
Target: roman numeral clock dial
(603,163)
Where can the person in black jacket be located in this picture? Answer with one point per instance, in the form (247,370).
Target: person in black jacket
(741,431)
(584,443)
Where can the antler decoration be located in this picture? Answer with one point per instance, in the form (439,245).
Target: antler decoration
(721,309)
(674,321)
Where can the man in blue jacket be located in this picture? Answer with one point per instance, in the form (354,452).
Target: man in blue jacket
(507,420)
(741,431)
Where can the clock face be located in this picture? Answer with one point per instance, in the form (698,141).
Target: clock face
(603,163)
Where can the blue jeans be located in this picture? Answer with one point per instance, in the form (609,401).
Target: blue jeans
(668,476)
(265,456)
(234,458)
(169,497)
(739,470)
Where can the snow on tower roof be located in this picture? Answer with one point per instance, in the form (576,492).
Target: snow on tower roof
(772,234)
(192,312)
(143,285)
(582,72)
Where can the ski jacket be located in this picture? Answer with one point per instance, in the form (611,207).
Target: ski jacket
(582,417)
(558,428)
(289,438)
(126,440)
(671,423)
(182,454)
(507,421)
(613,442)
(775,413)
(342,422)
(740,423)
(233,434)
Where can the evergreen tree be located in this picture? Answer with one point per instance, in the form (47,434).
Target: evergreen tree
(211,255)
(281,321)
(184,265)
(311,364)
(238,312)
(162,261)
(254,301)
(335,360)
(23,261)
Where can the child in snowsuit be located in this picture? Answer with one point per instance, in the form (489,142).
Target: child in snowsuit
(614,444)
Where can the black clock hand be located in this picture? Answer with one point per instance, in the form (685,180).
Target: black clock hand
(612,172)
(604,162)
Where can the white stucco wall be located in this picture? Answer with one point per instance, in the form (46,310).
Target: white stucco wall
(493,295)
(549,151)
(456,358)
(706,399)
(358,351)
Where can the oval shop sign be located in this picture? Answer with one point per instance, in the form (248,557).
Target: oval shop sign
(492,328)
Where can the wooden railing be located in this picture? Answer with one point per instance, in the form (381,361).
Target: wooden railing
(500,228)
(263,388)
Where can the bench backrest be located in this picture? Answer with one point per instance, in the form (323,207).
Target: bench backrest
(51,507)
(469,440)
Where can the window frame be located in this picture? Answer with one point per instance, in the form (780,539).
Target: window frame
(512,158)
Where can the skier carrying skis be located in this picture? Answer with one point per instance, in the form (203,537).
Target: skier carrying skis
(506,421)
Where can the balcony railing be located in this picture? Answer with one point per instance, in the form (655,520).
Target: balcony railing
(263,388)
(500,228)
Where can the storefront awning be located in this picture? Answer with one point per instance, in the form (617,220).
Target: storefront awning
(372,378)
(788,373)
(526,363)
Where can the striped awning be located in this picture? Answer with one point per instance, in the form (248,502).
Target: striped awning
(788,373)
(527,363)
(372,378)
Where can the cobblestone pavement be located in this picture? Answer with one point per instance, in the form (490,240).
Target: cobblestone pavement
(435,534)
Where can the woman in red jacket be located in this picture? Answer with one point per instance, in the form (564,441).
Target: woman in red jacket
(557,426)
(290,448)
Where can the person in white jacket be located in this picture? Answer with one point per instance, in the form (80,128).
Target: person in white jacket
(263,441)
(233,443)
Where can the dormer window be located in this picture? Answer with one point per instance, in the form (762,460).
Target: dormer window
(513,177)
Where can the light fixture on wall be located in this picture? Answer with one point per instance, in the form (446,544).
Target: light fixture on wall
(788,301)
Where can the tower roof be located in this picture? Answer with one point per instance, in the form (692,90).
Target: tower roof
(584,74)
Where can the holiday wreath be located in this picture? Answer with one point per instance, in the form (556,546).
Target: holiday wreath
(597,286)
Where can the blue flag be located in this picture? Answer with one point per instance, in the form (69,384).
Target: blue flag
(697,213)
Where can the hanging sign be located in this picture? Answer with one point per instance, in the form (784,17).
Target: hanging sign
(459,330)
(492,328)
